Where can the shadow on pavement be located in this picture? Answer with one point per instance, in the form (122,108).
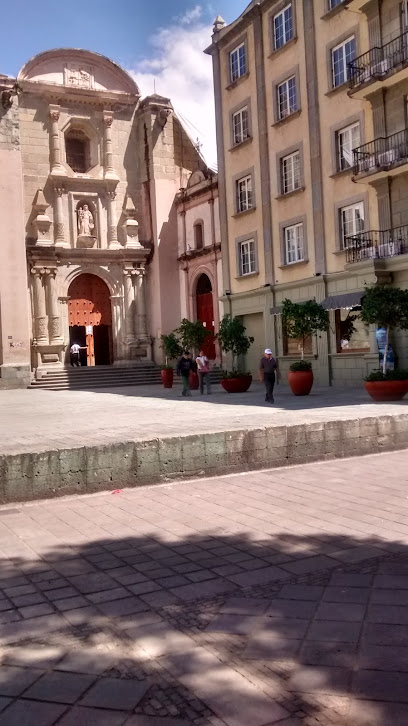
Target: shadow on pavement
(216,629)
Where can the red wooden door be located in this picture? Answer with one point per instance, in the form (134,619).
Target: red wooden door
(89,306)
(205,313)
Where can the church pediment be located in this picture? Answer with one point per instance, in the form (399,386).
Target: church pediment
(78,70)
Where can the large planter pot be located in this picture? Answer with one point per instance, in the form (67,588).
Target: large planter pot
(193,382)
(301,382)
(386,390)
(236,385)
(167,375)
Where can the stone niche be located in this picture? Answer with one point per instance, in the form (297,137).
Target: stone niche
(86,223)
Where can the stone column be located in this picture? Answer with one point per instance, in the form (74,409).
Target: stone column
(129,306)
(141,317)
(112,224)
(59,231)
(56,167)
(54,319)
(40,316)
(109,172)
(116,327)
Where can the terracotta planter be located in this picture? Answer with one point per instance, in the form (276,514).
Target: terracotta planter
(301,382)
(386,390)
(167,375)
(193,382)
(236,385)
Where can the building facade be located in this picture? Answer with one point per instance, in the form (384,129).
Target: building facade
(311,106)
(199,255)
(89,180)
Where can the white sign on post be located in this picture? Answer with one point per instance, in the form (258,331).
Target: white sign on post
(89,329)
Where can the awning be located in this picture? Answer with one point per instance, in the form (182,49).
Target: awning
(346,301)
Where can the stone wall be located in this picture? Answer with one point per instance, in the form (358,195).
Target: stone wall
(136,463)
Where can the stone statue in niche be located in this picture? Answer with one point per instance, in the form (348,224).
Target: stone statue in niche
(86,227)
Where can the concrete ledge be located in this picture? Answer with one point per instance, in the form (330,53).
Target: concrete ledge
(28,476)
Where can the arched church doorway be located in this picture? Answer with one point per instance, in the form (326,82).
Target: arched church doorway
(90,319)
(205,312)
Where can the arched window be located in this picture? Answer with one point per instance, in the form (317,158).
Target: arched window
(77,151)
(198,235)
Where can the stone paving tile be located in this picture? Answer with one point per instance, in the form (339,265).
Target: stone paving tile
(113,693)
(313,679)
(14,680)
(83,716)
(27,713)
(86,660)
(59,687)
(236,624)
(378,713)
(4,702)
(248,606)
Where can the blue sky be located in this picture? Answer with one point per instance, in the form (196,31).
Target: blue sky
(154,39)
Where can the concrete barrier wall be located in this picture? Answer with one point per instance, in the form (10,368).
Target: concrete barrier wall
(88,469)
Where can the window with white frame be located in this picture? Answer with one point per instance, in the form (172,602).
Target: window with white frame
(341,56)
(347,140)
(294,243)
(247,258)
(351,222)
(290,170)
(237,59)
(287,97)
(244,193)
(240,130)
(283,27)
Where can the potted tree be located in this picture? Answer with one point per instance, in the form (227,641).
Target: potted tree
(232,339)
(301,321)
(386,307)
(192,336)
(172,350)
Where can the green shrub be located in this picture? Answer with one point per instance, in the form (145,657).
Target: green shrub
(300,365)
(400,374)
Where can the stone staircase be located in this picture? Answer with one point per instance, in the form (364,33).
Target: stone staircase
(76,379)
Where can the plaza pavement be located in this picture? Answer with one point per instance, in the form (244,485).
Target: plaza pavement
(266,598)
(38,420)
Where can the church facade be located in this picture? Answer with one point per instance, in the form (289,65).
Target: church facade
(90,181)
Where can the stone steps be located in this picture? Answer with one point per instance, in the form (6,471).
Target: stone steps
(103,377)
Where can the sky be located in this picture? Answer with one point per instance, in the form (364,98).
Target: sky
(160,42)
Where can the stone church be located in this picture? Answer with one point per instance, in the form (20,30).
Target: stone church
(90,181)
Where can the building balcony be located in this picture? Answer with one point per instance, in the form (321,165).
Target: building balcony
(380,67)
(377,244)
(385,156)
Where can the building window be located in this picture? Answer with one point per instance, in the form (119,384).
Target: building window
(347,140)
(240,130)
(237,62)
(77,151)
(334,3)
(247,259)
(198,235)
(341,56)
(293,346)
(283,27)
(290,170)
(351,222)
(294,244)
(244,194)
(287,97)
(352,336)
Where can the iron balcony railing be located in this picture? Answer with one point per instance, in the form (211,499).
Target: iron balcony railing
(378,61)
(377,244)
(381,153)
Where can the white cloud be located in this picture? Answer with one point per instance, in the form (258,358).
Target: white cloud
(179,70)
(191,15)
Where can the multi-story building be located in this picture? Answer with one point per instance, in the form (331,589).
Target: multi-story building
(311,106)
(90,175)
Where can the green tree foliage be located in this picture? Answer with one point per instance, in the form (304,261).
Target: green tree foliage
(192,334)
(171,346)
(232,338)
(302,320)
(386,307)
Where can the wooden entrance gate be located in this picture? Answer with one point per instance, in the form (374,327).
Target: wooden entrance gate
(205,312)
(90,319)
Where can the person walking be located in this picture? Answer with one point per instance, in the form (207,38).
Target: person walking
(74,353)
(184,366)
(203,366)
(267,367)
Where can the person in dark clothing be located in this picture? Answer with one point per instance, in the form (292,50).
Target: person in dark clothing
(267,368)
(184,366)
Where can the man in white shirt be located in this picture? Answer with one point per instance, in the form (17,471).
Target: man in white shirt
(74,350)
(203,369)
